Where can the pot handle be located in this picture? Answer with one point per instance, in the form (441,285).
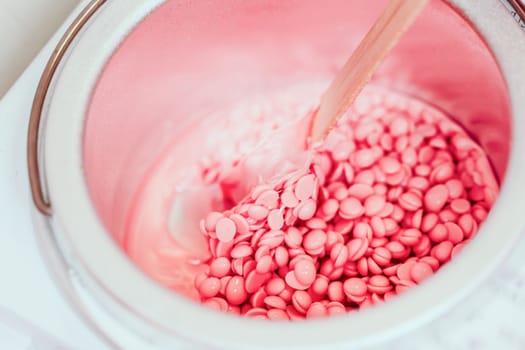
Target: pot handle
(518,11)
(35,180)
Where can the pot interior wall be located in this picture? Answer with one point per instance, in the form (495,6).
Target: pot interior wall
(189,58)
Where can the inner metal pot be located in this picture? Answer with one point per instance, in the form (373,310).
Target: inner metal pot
(140,71)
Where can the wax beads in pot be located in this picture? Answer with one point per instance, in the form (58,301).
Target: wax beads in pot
(394,192)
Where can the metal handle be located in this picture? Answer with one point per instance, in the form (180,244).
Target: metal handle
(519,10)
(35,181)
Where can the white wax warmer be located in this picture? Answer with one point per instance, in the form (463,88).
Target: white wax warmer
(128,76)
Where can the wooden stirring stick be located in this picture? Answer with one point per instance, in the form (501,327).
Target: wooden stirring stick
(357,71)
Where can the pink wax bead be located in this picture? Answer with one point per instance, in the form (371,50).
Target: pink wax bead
(351,208)
(211,220)
(209,287)
(320,285)
(360,191)
(281,256)
(301,301)
(235,292)
(225,229)
(429,221)
(304,187)
(275,219)
(455,234)
(399,126)
(339,254)
(389,165)
(354,287)
(364,158)
(241,251)
(436,197)
(374,204)
(220,267)
(268,198)
(257,212)
(410,201)
(264,264)
(275,286)
(314,240)
(277,314)
(420,271)
(306,209)
(460,206)
(379,284)
(254,281)
(304,272)
(357,248)
(410,237)
(439,233)
(335,291)
(442,251)
(289,199)
(316,310)
(257,299)
(382,256)
(274,302)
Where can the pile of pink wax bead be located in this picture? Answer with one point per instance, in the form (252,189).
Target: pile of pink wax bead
(392,194)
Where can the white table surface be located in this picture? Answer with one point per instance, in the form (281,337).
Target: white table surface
(25,26)
(34,315)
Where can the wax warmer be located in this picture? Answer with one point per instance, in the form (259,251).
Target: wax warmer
(130,76)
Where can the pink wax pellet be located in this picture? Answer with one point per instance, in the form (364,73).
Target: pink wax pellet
(339,254)
(210,287)
(306,210)
(460,205)
(442,251)
(254,281)
(360,191)
(382,256)
(264,264)
(277,314)
(439,233)
(351,208)
(275,219)
(305,187)
(314,240)
(357,248)
(257,212)
(364,158)
(410,201)
(220,267)
(354,287)
(289,199)
(420,271)
(374,204)
(304,272)
(335,291)
(315,310)
(211,220)
(225,229)
(436,197)
(275,286)
(301,300)
(241,251)
(379,284)
(410,237)
(275,302)
(235,292)
(320,285)
(281,256)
